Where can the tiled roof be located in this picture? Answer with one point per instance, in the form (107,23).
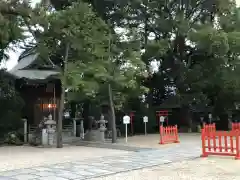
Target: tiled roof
(21,70)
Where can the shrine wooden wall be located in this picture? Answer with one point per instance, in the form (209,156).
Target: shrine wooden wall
(39,99)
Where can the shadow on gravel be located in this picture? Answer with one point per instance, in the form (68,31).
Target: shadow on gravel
(112,146)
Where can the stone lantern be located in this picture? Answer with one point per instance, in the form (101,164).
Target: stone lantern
(102,122)
(50,129)
(97,134)
(102,128)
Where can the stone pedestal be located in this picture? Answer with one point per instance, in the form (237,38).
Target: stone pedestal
(50,130)
(102,128)
(74,127)
(97,134)
(199,128)
(81,129)
(93,135)
(51,137)
(25,130)
(44,137)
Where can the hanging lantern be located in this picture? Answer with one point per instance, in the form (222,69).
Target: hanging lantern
(49,106)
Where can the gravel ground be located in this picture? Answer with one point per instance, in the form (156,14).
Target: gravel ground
(16,157)
(152,140)
(212,168)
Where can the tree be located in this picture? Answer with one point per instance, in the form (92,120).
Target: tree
(124,70)
(86,63)
(82,36)
(120,70)
(11,104)
(96,54)
(12,14)
(194,44)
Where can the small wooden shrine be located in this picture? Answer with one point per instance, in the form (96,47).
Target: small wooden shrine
(37,80)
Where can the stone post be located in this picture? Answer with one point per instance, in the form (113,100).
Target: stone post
(51,133)
(81,129)
(44,137)
(74,127)
(25,131)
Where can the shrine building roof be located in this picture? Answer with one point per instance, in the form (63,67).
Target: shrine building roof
(32,66)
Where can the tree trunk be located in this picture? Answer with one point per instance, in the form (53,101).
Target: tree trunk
(60,119)
(61,106)
(109,115)
(113,118)
(86,114)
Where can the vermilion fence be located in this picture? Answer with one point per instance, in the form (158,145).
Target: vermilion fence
(209,127)
(168,134)
(235,126)
(220,143)
(212,127)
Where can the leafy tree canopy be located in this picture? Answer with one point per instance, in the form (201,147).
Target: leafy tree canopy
(12,15)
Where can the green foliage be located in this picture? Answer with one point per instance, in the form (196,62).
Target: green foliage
(97,56)
(12,138)
(195,43)
(212,40)
(10,106)
(12,14)
(234,39)
(12,21)
(88,38)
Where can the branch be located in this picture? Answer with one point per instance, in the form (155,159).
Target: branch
(188,15)
(29,28)
(11,11)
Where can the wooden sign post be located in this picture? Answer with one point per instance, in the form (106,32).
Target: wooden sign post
(126,121)
(145,121)
(160,115)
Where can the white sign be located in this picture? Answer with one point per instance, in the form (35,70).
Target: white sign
(126,119)
(145,119)
(161,119)
(66,114)
(210,116)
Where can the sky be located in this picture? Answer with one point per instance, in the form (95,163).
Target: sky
(13,55)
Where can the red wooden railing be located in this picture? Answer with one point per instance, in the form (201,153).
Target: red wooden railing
(168,134)
(221,143)
(209,127)
(235,126)
(212,127)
